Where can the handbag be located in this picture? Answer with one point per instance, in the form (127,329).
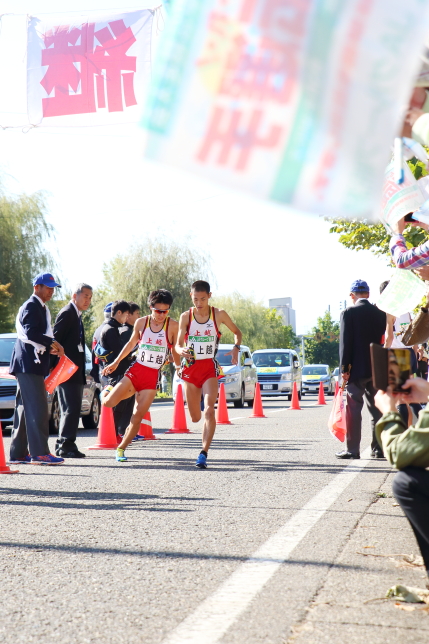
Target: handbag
(417,331)
(337,418)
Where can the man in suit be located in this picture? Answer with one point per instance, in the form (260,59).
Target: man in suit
(30,364)
(360,325)
(69,331)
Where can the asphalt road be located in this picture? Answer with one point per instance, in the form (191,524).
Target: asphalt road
(157,551)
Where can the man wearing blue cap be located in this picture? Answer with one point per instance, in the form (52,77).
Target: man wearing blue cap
(360,325)
(30,364)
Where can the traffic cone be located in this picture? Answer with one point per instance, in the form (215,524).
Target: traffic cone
(4,469)
(222,417)
(179,416)
(146,430)
(258,410)
(295,400)
(107,438)
(337,387)
(321,400)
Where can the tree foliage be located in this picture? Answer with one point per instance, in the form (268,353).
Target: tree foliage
(6,325)
(262,328)
(148,266)
(361,235)
(23,234)
(323,348)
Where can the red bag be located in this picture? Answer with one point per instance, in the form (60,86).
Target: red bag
(337,419)
(62,372)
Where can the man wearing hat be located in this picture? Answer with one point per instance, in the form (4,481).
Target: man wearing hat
(360,325)
(30,364)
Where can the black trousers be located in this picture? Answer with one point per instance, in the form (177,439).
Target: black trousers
(356,392)
(411,489)
(30,431)
(70,399)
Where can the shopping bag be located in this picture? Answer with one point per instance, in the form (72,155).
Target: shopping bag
(337,418)
(62,372)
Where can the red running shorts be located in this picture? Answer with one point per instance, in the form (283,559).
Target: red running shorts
(200,372)
(142,377)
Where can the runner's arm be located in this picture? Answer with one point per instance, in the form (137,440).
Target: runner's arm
(181,349)
(174,330)
(222,317)
(127,349)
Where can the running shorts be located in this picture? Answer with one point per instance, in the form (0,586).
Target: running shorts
(200,372)
(142,377)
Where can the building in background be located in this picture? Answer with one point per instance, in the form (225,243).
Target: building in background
(283,306)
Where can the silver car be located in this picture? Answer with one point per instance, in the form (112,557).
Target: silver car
(313,375)
(240,380)
(90,410)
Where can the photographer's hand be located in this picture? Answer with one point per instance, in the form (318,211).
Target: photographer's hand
(419,390)
(385,401)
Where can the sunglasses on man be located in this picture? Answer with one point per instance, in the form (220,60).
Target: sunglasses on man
(160,310)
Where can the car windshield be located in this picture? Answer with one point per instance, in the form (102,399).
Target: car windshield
(337,371)
(6,348)
(222,357)
(314,371)
(271,359)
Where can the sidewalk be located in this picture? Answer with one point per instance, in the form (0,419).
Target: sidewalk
(349,605)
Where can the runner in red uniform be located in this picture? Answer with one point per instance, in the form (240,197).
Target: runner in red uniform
(197,343)
(155,335)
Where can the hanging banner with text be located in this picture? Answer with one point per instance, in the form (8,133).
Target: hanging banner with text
(292,100)
(88,70)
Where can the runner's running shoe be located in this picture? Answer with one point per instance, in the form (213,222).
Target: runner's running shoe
(47,459)
(120,455)
(137,438)
(21,461)
(201,462)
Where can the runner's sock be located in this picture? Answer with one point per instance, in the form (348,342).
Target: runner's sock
(203,452)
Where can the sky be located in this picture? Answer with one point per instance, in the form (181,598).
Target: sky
(103,196)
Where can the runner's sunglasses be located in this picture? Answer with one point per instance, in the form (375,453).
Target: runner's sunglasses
(160,310)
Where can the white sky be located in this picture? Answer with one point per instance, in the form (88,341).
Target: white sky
(103,196)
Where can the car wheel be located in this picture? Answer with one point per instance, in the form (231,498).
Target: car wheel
(299,395)
(54,420)
(289,397)
(240,403)
(91,420)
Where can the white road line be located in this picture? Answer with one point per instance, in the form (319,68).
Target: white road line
(215,615)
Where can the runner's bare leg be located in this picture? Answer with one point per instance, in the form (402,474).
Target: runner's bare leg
(144,399)
(124,389)
(210,391)
(193,398)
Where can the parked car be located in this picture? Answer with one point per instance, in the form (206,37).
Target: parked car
(277,370)
(90,410)
(240,380)
(336,373)
(313,375)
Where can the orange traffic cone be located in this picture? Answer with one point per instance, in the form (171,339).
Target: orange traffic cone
(179,416)
(321,400)
(295,400)
(4,469)
(258,410)
(222,417)
(337,386)
(146,429)
(107,438)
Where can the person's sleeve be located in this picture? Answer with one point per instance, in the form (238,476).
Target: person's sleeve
(412,258)
(346,342)
(401,446)
(420,130)
(62,326)
(30,323)
(110,340)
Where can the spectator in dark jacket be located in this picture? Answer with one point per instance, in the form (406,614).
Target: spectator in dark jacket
(113,338)
(69,331)
(97,367)
(360,325)
(30,364)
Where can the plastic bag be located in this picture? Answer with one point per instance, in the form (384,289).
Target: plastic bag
(337,418)
(62,372)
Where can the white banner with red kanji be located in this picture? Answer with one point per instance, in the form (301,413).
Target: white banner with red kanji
(88,70)
(292,100)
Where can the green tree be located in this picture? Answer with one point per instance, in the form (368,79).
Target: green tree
(360,235)
(323,348)
(23,234)
(151,265)
(6,326)
(262,328)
